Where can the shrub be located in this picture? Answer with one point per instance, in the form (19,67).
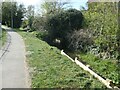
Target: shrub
(24,24)
(62,23)
(42,35)
(80,40)
(38,24)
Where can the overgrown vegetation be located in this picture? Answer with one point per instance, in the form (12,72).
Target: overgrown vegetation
(108,68)
(103,25)
(80,40)
(49,69)
(59,25)
(94,34)
(94,30)
(118,32)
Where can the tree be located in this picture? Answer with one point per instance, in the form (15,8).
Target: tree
(12,14)
(19,16)
(48,10)
(0,12)
(62,23)
(104,26)
(6,13)
(51,8)
(30,15)
(118,32)
(38,24)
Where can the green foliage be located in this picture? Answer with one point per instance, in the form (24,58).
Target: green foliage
(118,32)
(49,69)
(39,23)
(104,26)
(51,8)
(42,35)
(0,12)
(80,40)
(12,14)
(65,21)
(4,36)
(62,23)
(108,68)
(30,15)
(48,10)
(24,23)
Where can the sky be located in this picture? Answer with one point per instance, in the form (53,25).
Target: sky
(36,3)
(74,3)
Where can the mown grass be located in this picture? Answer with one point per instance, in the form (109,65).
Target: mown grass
(49,69)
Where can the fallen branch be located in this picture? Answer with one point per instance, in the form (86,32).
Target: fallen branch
(108,83)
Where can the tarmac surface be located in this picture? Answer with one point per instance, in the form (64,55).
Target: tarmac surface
(13,67)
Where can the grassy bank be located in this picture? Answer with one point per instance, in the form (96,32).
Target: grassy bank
(107,68)
(49,69)
(4,36)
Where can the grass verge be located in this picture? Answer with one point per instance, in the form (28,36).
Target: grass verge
(49,69)
(3,38)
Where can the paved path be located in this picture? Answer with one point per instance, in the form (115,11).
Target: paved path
(14,70)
